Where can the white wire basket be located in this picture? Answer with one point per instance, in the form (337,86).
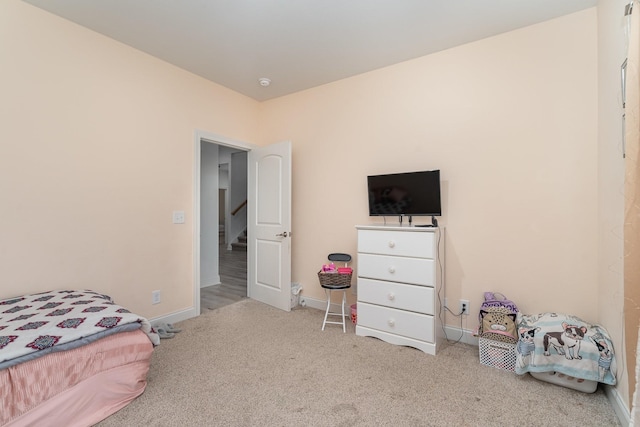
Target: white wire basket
(500,355)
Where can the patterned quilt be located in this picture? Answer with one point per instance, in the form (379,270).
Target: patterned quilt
(34,325)
(553,342)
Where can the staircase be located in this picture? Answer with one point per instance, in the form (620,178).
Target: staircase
(241,243)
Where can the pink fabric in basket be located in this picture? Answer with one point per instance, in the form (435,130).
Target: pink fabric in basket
(77,387)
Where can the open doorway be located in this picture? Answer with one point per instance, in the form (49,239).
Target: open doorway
(223,225)
(266,212)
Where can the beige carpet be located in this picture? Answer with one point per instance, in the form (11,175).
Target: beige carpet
(248,364)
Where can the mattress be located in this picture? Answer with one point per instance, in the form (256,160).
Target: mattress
(35,325)
(76,387)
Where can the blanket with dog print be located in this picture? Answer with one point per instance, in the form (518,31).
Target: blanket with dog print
(553,342)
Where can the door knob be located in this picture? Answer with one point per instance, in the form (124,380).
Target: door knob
(283,234)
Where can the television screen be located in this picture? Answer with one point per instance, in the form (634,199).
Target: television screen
(405,194)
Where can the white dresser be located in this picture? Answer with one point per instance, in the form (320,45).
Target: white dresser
(397,274)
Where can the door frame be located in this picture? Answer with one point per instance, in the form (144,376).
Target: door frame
(201,136)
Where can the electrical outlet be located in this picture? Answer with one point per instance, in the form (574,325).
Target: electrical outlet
(464,306)
(155,297)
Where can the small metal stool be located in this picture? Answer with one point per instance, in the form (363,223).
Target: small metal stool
(336,282)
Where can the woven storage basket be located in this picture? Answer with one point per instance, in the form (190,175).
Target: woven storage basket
(497,354)
(334,278)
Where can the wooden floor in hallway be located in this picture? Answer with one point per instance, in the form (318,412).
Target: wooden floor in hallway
(233,275)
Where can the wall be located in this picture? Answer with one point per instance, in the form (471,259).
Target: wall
(511,121)
(612,47)
(96,153)
(239,194)
(209,214)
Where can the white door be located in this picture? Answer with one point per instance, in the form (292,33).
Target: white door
(269,225)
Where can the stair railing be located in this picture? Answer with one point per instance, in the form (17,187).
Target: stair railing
(236,210)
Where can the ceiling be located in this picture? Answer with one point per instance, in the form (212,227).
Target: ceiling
(299,44)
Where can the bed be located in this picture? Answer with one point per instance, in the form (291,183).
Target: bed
(70,357)
(565,350)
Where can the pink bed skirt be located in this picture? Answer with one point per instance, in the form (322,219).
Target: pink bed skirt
(78,387)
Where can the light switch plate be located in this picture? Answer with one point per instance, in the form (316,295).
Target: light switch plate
(178,217)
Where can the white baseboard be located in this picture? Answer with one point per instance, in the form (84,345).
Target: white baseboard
(619,406)
(321,304)
(206,285)
(454,333)
(174,317)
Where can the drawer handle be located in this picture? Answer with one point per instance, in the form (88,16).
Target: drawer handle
(392,269)
(392,244)
(391,322)
(391,296)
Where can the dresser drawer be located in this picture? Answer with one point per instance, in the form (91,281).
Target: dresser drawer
(399,243)
(396,295)
(398,322)
(417,271)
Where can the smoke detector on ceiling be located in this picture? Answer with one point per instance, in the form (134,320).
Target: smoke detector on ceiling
(264,82)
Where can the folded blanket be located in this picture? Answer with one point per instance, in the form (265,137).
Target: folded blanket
(553,342)
(34,325)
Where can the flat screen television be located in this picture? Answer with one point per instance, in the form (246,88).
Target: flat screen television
(405,194)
